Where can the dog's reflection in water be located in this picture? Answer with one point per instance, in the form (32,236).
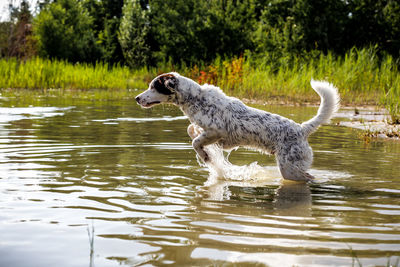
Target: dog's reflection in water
(287,198)
(293,198)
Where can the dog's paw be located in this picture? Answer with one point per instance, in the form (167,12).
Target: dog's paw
(309,177)
(290,172)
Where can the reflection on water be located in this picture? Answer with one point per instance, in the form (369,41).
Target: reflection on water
(104,184)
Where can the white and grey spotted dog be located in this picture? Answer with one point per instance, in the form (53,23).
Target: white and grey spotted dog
(217,118)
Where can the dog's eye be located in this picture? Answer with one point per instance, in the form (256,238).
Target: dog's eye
(161,88)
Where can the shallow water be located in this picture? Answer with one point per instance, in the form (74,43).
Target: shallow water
(109,184)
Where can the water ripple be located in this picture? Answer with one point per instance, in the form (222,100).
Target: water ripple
(136,183)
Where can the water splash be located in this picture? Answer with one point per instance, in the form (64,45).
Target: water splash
(220,167)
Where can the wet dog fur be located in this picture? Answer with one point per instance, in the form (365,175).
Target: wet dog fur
(227,121)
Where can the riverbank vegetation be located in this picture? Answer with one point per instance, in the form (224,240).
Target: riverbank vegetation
(261,50)
(361,76)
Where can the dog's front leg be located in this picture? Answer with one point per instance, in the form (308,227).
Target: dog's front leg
(205,138)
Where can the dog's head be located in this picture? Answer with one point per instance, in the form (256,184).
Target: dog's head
(161,90)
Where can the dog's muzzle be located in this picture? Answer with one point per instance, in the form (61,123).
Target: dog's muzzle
(146,104)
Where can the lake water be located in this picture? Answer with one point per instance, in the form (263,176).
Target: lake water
(111,184)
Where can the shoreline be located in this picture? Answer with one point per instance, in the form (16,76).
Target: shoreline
(374,123)
(373,120)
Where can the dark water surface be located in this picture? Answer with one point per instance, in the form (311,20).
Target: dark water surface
(110,184)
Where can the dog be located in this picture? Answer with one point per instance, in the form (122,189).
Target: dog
(220,119)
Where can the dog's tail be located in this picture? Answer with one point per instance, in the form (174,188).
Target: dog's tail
(329,104)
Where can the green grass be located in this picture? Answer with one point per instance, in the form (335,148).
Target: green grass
(361,76)
(46,74)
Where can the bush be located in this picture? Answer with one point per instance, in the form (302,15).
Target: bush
(133,34)
(64,30)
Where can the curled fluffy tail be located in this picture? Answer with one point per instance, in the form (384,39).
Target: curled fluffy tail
(329,104)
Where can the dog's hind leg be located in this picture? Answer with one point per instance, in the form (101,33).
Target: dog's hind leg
(205,138)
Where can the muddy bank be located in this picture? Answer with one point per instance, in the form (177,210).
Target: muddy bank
(374,123)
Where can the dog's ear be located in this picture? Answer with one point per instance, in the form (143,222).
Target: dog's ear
(165,84)
(170,81)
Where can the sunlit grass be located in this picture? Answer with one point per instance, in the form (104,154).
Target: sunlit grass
(38,73)
(361,76)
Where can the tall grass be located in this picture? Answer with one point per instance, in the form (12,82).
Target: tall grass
(361,76)
(38,73)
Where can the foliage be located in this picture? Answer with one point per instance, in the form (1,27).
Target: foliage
(133,34)
(254,48)
(360,75)
(375,22)
(4,37)
(191,31)
(142,32)
(63,30)
(293,27)
(16,34)
(187,32)
(106,16)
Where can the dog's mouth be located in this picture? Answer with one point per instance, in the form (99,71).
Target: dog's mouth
(149,105)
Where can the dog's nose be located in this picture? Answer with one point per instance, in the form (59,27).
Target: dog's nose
(137,99)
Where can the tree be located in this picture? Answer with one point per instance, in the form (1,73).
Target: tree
(107,16)
(5,27)
(63,30)
(304,25)
(188,31)
(231,24)
(133,34)
(143,32)
(169,33)
(15,35)
(391,13)
(375,22)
